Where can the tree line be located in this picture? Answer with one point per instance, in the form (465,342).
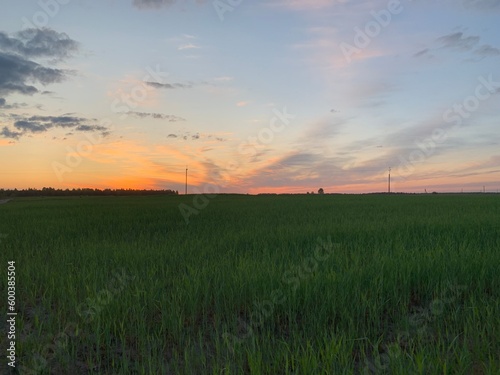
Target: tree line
(48,191)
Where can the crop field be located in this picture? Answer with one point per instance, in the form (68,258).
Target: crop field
(270,284)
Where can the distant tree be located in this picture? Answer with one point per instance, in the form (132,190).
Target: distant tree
(321,191)
(48,191)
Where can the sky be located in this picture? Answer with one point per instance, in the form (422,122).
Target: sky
(253,96)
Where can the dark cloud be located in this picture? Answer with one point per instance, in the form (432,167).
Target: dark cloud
(41,124)
(17,75)
(90,128)
(32,43)
(158,116)
(169,86)
(31,126)
(64,121)
(6,133)
(171,136)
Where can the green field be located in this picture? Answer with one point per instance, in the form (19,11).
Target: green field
(305,284)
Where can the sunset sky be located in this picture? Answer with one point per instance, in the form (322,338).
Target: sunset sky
(252,96)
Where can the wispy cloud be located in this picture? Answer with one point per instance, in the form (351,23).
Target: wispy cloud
(300,5)
(459,42)
(169,86)
(188,46)
(157,4)
(487,51)
(223,79)
(4,105)
(185,136)
(486,5)
(156,116)
(152,4)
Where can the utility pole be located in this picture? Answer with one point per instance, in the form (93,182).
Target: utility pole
(186,189)
(389,179)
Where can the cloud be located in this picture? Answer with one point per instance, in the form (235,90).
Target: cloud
(300,170)
(41,124)
(481,4)
(158,116)
(223,79)
(458,41)
(322,130)
(423,52)
(6,133)
(157,4)
(16,74)
(169,86)
(487,51)
(242,103)
(188,46)
(4,105)
(90,128)
(30,126)
(194,137)
(152,4)
(301,5)
(32,43)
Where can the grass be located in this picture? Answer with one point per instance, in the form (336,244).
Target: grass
(311,284)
